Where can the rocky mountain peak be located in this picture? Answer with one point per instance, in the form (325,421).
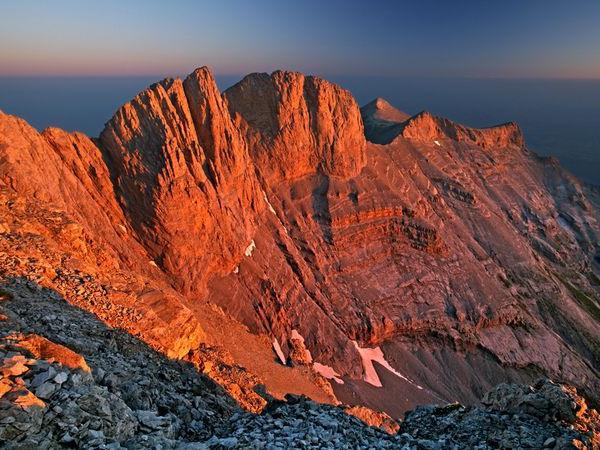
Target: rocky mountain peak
(179,163)
(382,121)
(297,125)
(380,109)
(224,147)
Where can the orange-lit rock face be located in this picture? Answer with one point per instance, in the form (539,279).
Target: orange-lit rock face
(297,125)
(425,127)
(461,255)
(68,170)
(183,174)
(42,348)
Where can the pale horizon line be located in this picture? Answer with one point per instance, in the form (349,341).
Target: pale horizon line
(162,76)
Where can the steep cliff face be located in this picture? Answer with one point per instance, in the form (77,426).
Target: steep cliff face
(297,125)
(183,174)
(427,268)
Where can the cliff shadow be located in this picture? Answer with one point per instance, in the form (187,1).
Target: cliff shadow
(320,205)
(129,383)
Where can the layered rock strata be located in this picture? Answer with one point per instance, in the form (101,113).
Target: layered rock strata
(443,258)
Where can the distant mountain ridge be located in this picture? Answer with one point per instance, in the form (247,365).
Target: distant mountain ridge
(383,123)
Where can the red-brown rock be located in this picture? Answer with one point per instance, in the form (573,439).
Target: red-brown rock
(442,257)
(297,125)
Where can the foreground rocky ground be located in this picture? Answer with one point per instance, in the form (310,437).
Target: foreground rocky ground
(71,381)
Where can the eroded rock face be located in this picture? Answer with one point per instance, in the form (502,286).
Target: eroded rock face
(67,170)
(454,257)
(182,173)
(297,125)
(41,245)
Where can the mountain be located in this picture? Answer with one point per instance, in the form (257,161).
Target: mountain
(275,234)
(382,122)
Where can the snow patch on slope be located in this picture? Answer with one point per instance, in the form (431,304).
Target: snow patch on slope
(327,372)
(278,351)
(250,248)
(269,203)
(368,355)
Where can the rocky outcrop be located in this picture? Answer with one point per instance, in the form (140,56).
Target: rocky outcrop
(374,418)
(426,127)
(435,427)
(121,393)
(545,415)
(42,348)
(297,125)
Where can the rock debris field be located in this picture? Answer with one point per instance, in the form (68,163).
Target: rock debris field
(70,381)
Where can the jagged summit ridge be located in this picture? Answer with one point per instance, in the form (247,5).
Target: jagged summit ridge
(288,116)
(384,123)
(266,202)
(427,127)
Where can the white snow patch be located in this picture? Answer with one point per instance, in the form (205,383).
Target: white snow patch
(437,143)
(278,351)
(236,269)
(299,337)
(152,263)
(123,229)
(368,355)
(296,335)
(250,248)
(327,372)
(269,203)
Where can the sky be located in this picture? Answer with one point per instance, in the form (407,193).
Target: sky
(459,38)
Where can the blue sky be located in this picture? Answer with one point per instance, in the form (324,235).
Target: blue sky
(526,38)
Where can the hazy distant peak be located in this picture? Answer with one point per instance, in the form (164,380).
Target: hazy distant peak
(381,110)
(382,121)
